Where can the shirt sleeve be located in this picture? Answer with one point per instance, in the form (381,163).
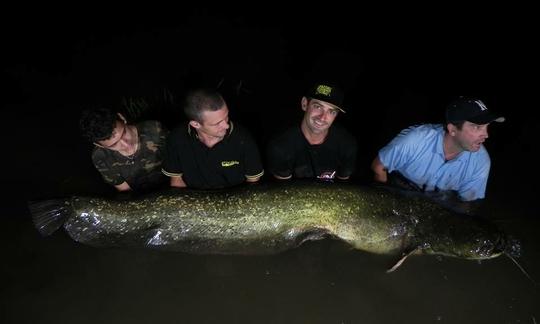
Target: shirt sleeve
(172,163)
(108,174)
(162,133)
(396,154)
(279,160)
(347,160)
(253,164)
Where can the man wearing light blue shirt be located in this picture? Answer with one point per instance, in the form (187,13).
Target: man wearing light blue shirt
(451,158)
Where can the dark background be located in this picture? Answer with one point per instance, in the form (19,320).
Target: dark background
(399,67)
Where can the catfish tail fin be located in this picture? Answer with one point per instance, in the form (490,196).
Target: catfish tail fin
(49,215)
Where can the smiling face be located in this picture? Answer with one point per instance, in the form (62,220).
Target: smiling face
(319,115)
(470,137)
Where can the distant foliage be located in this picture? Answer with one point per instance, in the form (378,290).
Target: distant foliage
(148,107)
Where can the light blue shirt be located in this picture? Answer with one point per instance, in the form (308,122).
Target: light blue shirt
(417,153)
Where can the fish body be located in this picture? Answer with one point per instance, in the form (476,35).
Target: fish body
(270,218)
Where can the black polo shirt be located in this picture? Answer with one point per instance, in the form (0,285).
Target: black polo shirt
(226,164)
(291,154)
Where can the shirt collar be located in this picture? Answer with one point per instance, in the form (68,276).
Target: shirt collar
(192,132)
(439,147)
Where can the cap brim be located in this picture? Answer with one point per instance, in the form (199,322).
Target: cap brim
(486,119)
(333,105)
(338,108)
(324,99)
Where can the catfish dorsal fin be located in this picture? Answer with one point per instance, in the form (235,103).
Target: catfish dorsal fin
(404,256)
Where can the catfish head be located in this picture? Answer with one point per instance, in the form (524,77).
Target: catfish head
(466,237)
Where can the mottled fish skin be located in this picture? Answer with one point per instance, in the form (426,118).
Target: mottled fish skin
(270,218)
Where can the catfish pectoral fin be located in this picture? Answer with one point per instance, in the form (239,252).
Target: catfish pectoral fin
(299,236)
(404,256)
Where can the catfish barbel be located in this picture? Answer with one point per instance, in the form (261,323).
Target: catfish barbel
(270,218)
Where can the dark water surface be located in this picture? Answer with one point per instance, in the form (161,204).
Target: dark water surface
(56,280)
(393,80)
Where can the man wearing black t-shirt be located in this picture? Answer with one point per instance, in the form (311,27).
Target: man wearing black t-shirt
(315,149)
(209,151)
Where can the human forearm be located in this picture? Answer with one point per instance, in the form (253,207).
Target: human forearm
(379,171)
(178,182)
(124,186)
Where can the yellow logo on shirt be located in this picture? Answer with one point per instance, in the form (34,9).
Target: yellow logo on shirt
(229,163)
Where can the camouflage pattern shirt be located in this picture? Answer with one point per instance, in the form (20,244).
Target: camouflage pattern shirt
(142,170)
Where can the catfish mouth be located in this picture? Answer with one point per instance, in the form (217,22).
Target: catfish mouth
(489,249)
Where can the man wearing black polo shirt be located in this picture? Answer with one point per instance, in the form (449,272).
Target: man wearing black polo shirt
(210,152)
(315,149)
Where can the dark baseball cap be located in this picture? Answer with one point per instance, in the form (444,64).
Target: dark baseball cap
(471,110)
(329,93)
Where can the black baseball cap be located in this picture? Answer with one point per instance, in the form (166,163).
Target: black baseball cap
(471,110)
(327,92)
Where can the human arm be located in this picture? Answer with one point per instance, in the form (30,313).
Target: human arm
(452,200)
(176,179)
(255,178)
(279,160)
(348,148)
(124,186)
(281,178)
(253,165)
(400,154)
(379,171)
(394,179)
(162,134)
(177,182)
(152,141)
(109,169)
(172,160)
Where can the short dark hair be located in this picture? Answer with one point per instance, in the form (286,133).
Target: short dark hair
(97,124)
(200,100)
(458,124)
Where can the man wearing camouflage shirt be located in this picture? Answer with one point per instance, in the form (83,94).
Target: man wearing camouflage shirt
(128,157)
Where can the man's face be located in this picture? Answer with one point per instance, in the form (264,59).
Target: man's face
(119,140)
(471,136)
(319,115)
(215,123)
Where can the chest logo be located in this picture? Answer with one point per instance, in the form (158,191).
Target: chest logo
(226,164)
